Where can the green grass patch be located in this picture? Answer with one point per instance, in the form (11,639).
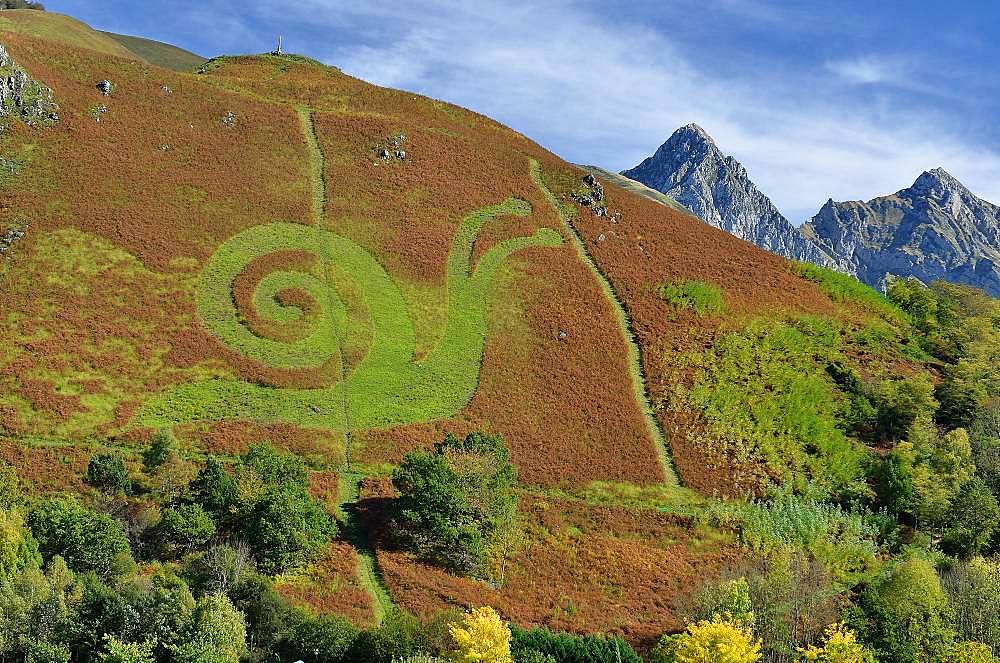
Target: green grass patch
(159,53)
(700,296)
(842,288)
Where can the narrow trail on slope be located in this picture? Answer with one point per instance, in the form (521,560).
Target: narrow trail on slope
(636,370)
(349,481)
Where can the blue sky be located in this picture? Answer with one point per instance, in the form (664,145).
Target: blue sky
(844,99)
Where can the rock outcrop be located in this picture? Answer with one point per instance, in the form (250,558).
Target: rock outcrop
(22,97)
(691,169)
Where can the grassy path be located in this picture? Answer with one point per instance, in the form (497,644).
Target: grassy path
(349,481)
(368,570)
(636,370)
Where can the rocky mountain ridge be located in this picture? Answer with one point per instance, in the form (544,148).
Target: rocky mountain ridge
(934,229)
(691,169)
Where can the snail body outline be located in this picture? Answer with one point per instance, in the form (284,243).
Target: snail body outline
(388,386)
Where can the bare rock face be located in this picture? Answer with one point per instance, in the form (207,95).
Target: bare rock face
(22,97)
(935,229)
(691,169)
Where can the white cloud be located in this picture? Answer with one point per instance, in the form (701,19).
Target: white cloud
(594,87)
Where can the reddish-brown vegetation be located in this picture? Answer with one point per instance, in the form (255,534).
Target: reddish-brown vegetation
(584,569)
(331,585)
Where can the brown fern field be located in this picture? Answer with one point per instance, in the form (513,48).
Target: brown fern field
(136,201)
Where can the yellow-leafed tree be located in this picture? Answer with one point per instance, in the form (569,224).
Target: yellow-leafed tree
(482,637)
(720,640)
(841,646)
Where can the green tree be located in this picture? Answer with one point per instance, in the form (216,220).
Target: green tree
(10,487)
(962,394)
(904,615)
(18,548)
(184,528)
(118,651)
(972,588)
(286,528)
(894,480)
(161,448)
(320,637)
(217,633)
(901,404)
(34,607)
(107,472)
(167,608)
(942,465)
(968,652)
(214,488)
(457,504)
(87,540)
(974,519)
(275,468)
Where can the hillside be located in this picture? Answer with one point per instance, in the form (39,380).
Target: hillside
(234,301)
(158,53)
(60,29)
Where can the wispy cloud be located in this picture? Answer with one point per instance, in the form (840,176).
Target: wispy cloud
(870,69)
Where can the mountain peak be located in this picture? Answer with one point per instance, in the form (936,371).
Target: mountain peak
(937,178)
(694,128)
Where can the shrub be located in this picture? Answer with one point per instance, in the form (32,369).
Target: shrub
(569,648)
(843,288)
(844,542)
(482,637)
(767,397)
(699,296)
(107,472)
(457,505)
(708,641)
